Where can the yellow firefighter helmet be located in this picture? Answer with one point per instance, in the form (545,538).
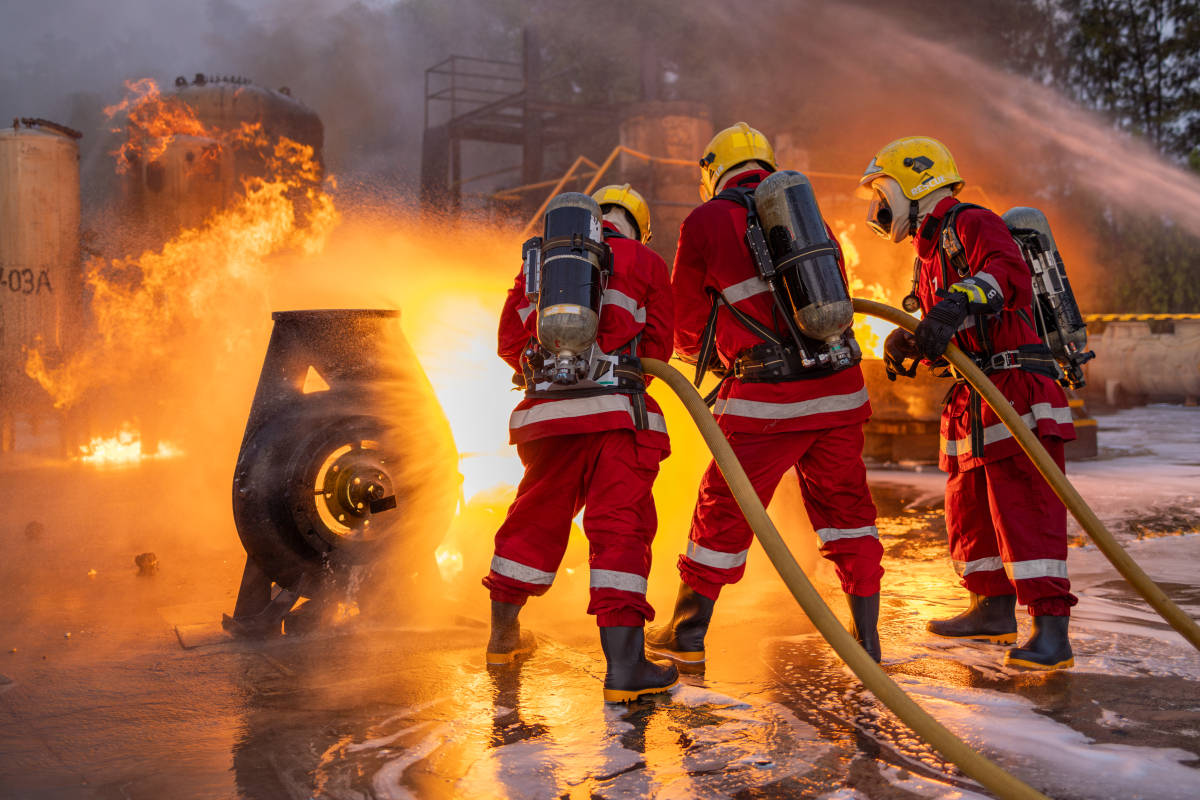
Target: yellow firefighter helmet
(734,145)
(918,163)
(627,198)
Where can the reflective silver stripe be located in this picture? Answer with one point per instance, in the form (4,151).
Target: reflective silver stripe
(998,432)
(990,280)
(611,579)
(614,298)
(964,568)
(1036,568)
(758,409)
(832,534)
(747,288)
(581,407)
(715,558)
(524,313)
(520,572)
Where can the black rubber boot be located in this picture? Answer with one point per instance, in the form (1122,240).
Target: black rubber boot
(629,674)
(989,619)
(1047,648)
(682,640)
(864,623)
(508,642)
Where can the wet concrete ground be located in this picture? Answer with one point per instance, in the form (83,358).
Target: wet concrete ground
(396,707)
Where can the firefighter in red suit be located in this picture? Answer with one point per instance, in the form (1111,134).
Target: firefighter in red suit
(1007,530)
(596,452)
(812,423)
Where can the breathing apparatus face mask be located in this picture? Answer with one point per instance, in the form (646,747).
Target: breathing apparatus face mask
(888,212)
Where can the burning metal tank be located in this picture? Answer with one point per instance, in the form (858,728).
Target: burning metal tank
(41,283)
(200,166)
(347,476)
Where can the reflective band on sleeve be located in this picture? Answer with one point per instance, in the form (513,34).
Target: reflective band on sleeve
(624,581)
(832,534)
(990,280)
(999,432)
(758,409)
(520,572)
(747,288)
(715,558)
(1036,568)
(614,298)
(524,313)
(581,407)
(964,568)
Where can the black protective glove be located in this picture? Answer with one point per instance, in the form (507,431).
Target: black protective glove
(897,348)
(938,327)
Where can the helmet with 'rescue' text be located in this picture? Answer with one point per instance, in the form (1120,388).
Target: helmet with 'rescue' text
(735,145)
(919,164)
(625,197)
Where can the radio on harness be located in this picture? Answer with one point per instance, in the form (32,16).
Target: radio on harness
(1056,314)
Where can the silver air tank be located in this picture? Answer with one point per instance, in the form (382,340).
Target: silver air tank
(1070,335)
(805,257)
(570,287)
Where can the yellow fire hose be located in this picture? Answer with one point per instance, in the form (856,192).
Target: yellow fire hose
(1104,540)
(995,779)
(873,677)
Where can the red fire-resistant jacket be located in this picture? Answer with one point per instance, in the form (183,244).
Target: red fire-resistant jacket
(713,254)
(636,301)
(993,256)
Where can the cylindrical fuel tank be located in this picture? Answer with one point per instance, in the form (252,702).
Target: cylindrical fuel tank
(225,103)
(196,175)
(676,130)
(1133,364)
(41,282)
(793,224)
(569,300)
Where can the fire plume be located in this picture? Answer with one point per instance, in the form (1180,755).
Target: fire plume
(124,449)
(153,122)
(869,331)
(196,287)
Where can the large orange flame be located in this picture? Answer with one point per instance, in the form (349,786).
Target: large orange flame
(147,306)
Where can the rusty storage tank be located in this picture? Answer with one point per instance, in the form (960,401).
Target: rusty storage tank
(1142,358)
(195,175)
(41,282)
(675,130)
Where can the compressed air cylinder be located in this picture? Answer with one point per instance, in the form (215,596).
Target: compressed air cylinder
(792,222)
(1073,336)
(569,302)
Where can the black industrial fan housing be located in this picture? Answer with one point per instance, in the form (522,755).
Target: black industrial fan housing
(347,462)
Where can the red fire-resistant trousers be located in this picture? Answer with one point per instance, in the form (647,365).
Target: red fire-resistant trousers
(833,482)
(610,477)
(1008,532)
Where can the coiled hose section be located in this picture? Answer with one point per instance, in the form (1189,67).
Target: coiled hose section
(1087,518)
(995,779)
